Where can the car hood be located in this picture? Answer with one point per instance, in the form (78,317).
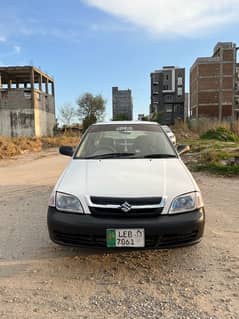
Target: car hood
(126,178)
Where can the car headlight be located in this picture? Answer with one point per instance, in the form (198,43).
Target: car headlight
(186,202)
(68,203)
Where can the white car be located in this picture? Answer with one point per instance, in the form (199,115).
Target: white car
(125,186)
(170,134)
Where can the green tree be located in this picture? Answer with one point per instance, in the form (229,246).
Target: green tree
(87,121)
(90,109)
(145,118)
(158,117)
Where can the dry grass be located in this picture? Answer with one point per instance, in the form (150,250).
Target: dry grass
(60,140)
(200,126)
(183,132)
(10,147)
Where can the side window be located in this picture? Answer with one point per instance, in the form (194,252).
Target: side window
(180,91)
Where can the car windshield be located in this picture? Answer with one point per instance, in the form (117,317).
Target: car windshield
(125,141)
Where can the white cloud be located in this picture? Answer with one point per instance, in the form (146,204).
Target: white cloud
(106,27)
(172,17)
(17,49)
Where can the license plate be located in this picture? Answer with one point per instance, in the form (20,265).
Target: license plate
(125,237)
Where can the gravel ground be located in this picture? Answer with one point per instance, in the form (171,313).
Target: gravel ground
(41,280)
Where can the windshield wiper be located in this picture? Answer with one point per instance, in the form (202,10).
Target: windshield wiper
(109,155)
(160,156)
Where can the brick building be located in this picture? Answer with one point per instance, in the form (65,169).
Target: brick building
(168,94)
(27,102)
(213,84)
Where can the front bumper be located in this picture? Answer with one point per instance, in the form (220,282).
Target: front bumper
(165,231)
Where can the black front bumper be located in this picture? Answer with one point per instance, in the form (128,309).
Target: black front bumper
(165,231)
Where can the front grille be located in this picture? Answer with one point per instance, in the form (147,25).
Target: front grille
(131,200)
(118,213)
(91,240)
(111,206)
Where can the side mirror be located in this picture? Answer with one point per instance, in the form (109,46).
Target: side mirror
(181,149)
(66,150)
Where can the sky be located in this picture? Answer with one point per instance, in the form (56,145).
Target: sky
(92,45)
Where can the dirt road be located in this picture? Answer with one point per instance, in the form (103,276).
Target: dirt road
(41,280)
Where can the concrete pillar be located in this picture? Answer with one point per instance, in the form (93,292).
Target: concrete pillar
(53,88)
(32,79)
(9,84)
(17,85)
(40,82)
(47,91)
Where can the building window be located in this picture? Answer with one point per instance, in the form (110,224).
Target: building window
(168,97)
(178,108)
(166,77)
(180,91)
(165,87)
(180,81)
(168,108)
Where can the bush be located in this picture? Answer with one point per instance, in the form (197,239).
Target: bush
(220,134)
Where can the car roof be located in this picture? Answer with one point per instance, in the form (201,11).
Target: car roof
(127,123)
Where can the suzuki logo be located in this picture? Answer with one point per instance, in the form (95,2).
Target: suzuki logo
(125,207)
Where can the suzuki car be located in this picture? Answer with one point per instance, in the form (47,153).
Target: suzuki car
(126,186)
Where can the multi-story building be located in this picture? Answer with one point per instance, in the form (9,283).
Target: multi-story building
(213,84)
(122,104)
(167,94)
(27,102)
(186,106)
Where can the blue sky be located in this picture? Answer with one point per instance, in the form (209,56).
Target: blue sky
(92,45)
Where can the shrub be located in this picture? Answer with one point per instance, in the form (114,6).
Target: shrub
(221,134)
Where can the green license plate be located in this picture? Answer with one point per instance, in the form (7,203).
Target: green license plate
(125,237)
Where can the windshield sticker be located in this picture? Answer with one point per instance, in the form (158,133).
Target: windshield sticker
(124,128)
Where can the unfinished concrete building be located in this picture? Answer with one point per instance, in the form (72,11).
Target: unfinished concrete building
(27,102)
(214,92)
